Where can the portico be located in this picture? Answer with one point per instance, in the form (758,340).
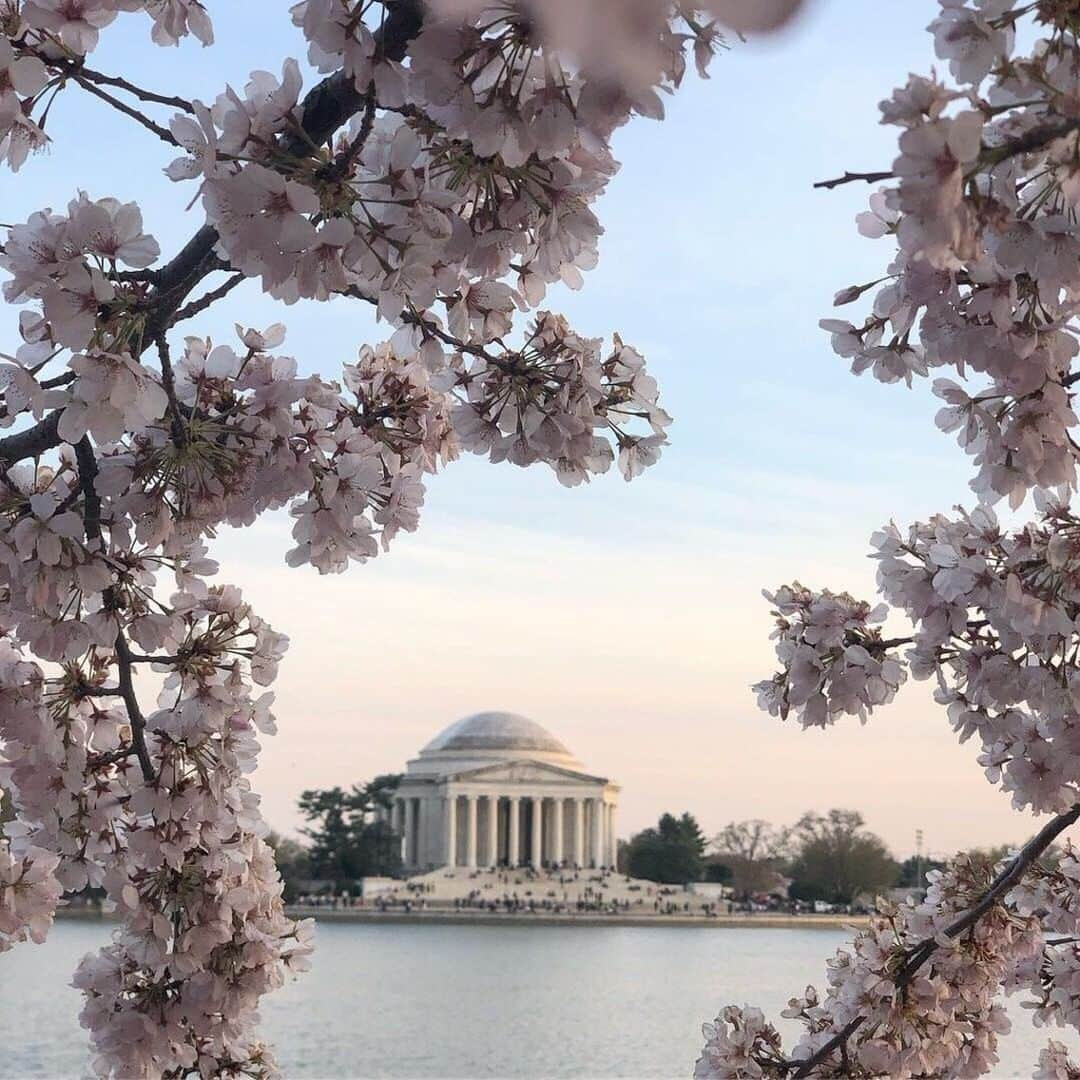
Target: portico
(499,790)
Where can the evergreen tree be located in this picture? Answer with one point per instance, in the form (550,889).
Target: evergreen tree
(672,853)
(350,837)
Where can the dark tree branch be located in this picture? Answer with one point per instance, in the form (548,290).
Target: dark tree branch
(1035,139)
(87,463)
(176,422)
(98,691)
(1001,885)
(889,643)
(109,757)
(58,380)
(138,721)
(77,69)
(344,162)
(31,443)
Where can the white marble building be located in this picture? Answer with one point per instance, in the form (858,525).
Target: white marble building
(496,789)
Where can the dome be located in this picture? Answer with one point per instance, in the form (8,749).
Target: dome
(489,731)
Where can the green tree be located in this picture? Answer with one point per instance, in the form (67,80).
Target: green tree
(672,853)
(350,837)
(293,863)
(836,859)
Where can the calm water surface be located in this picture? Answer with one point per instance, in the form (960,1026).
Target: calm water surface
(471,1001)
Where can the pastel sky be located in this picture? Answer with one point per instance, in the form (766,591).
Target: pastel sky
(627,618)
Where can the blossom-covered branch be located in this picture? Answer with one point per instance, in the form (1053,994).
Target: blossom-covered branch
(445,170)
(983,283)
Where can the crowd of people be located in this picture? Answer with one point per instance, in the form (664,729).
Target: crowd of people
(562,890)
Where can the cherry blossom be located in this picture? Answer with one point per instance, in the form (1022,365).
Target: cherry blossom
(445,172)
(982,283)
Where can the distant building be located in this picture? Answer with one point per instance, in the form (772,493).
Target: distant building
(497,789)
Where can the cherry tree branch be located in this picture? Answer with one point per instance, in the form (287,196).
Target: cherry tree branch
(87,463)
(31,443)
(922,952)
(131,703)
(326,107)
(77,69)
(179,435)
(1035,139)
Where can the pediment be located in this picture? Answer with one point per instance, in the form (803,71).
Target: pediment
(525,772)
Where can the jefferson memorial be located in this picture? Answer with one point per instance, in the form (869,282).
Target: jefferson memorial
(496,789)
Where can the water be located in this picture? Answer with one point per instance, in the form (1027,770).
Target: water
(471,1001)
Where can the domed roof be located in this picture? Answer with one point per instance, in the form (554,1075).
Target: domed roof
(496,731)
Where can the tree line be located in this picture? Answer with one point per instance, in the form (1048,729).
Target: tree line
(830,857)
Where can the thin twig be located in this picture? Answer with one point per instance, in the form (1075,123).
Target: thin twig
(140,92)
(852,177)
(340,168)
(1035,139)
(212,297)
(109,757)
(127,110)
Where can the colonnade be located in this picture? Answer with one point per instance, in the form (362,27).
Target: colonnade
(472,830)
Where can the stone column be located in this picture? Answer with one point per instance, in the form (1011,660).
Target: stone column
(512,847)
(537,851)
(557,831)
(492,853)
(597,845)
(409,857)
(613,840)
(579,832)
(451,829)
(470,831)
(395,825)
(423,820)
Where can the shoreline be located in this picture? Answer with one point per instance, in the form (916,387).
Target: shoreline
(467,917)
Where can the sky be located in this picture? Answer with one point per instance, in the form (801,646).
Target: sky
(627,618)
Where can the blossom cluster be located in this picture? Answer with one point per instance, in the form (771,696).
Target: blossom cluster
(901,1020)
(832,655)
(981,205)
(984,278)
(554,398)
(445,172)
